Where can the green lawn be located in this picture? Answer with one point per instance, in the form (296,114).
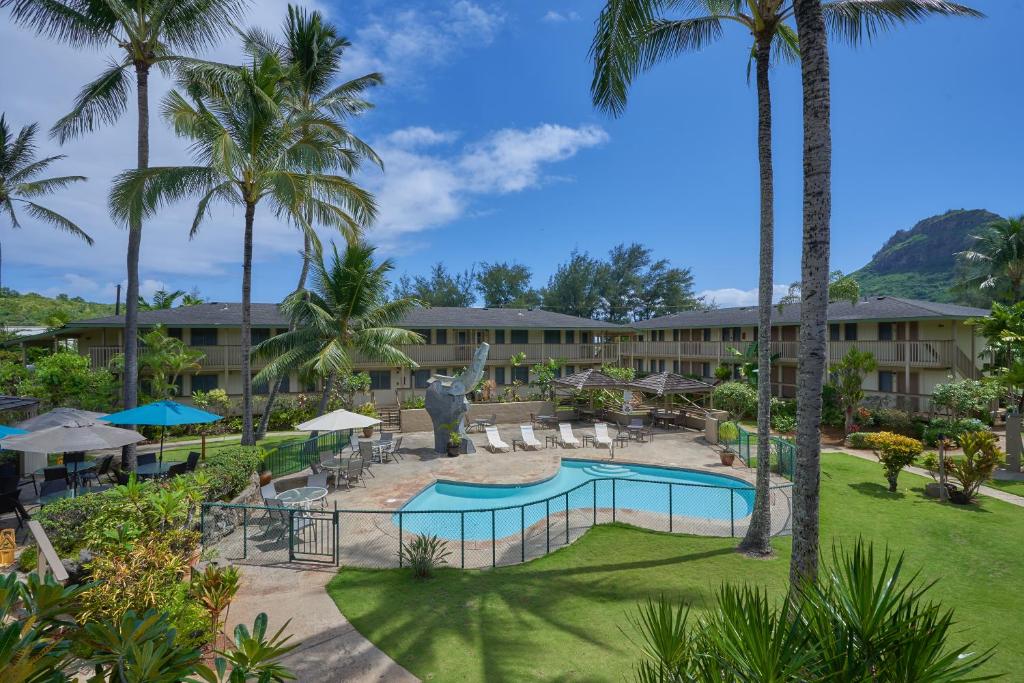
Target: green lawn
(180,453)
(1015,487)
(562,617)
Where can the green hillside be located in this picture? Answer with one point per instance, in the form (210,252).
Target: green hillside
(36,309)
(919,263)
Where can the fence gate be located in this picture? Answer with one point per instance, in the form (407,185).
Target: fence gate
(313,536)
(265,535)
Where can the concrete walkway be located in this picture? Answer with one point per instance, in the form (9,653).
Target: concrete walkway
(331,648)
(984,490)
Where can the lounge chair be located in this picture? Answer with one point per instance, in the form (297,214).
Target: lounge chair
(565,436)
(529,439)
(494,442)
(601,436)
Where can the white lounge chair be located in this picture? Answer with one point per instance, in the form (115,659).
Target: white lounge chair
(565,436)
(494,441)
(601,436)
(529,440)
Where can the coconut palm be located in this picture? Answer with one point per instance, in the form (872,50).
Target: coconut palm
(345,313)
(249,151)
(162,299)
(634,35)
(313,50)
(995,263)
(20,183)
(144,33)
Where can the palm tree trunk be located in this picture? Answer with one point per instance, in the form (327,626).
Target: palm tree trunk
(817,156)
(326,397)
(758,538)
(130,377)
(248,438)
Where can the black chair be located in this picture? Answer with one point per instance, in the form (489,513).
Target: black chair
(146,458)
(192,461)
(94,475)
(120,476)
(177,468)
(78,456)
(57,472)
(51,487)
(9,503)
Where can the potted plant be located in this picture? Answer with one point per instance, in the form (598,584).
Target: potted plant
(728,432)
(455,438)
(369,410)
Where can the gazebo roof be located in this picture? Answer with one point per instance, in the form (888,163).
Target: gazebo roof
(17,403)
(589,379)
(670,383)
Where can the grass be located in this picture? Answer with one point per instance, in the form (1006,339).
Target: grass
(565,616)
(177,454)
(1014,487)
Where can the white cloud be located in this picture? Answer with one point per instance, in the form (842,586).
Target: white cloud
(419,136)
(555,17)
(730,296)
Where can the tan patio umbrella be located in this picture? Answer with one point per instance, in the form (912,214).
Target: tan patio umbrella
(338,420)
(666,383)
(74,437)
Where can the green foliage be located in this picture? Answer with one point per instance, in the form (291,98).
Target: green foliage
(841,287)
(861,621)
(994,262)
(894,452)
(506,285)
(424,554)
(981,457)
(546,373)
(64,379)
(214,588)
(728,432)
(368,409)
(35,309)
(723,372)
(965,398)
(739,399)
(784,424)
(897,421)
(414,402)
(12,374)
(162,360)
(1004,330)
(748,362)
(442,288)
(350,385)
(848,380)
(951,429)
(859,439)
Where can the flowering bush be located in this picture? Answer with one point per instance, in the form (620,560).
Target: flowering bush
(895,452)
(951,429)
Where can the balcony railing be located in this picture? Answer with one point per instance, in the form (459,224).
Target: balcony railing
(216,357)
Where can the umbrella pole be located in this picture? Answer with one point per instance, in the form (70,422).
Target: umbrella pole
(203,438)
(162,429)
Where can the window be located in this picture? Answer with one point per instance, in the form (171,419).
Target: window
(499,336)
(259,335)
(462,337)
(521,375)
(570,336)
(707,334)
(380,379)
(260,388)
(499,376)
(425,334)
(174,332)
(705,369)
(570,369)
(638,365)
(204,383)
(887,381)
(520,336)
(585,338)
(675,366)
(204,336)
(179,386)
(419,379)
(661,366)
(552,336)
(833,332)
(440,336)
(850,330)
(286,384)
(885,331)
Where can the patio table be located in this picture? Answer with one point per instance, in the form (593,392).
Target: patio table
(59,495)
(302,497)
(74,469)
(336,465)
(153,469)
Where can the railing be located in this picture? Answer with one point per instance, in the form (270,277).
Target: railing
(214,357)
(781,451)
(295,456)
(486,537)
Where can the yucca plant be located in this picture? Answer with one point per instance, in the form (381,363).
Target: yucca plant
(424,554)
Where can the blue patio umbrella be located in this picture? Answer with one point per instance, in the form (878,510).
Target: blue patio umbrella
(163,414)
(10,431)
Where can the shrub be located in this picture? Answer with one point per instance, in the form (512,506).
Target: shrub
(424,554)
(739,399)
(965,398)
(897,422)
(831,408)
(784,424)
(981,457)
(895,452)
(414,402)
(728,433)
(951,429)
(858,439)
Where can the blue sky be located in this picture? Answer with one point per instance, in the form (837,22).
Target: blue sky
(493,151)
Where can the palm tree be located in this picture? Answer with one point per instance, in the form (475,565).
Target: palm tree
(144,33)
(633,36)
(20,183)
(248,150)
(313,51)
(995,264)
(162,299)
(346,313)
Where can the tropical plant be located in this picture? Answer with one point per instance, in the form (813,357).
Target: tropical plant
(894,452)
(424,554)
(215,587)
(964,398)
(982,456)
(723,372)
(848,379)
(728,434)
(162,300)
(862,621)
(748,362)
(20,183)
(250,149)
(739,399)
(841,287)
(66,379)
(164,359)
(346,312)
(144,33)
(544,374)
(1003,329)
(995,262)
(441,288)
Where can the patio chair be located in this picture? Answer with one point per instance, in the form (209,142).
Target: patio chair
(530,441)
(494,442)
(396,448)
(278,515)
(318,479)
(9,469)
(385,437)
(94,475)
(146,458)
(484,422)
(353,472)
(9,502)
(55,473)
(176,469)
(192,461)
(601,436)
(367,453)
(565,436)
(353,443)
(48,488)
(268,491)
(77,456)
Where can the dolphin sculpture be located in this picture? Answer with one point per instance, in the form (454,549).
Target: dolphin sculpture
(446,401)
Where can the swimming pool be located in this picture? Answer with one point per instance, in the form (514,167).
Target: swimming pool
(477,512)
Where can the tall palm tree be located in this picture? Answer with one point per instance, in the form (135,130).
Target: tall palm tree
(144,33)
(20,183)
(313,51)
(634,35)
(345,313)
(248,150)
(162,299)
(995,263)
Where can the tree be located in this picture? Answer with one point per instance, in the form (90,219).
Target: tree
(249,149)
(633,286)
(848,379)
(841,287)
(64,379)
(162,300)
(739,399)
(164,360)
(1003,329)
(440,289)
(145,33)
(193,298)
(574,288)
(506,285)
(995,264)
(20,183)
(346,313)
(964,398)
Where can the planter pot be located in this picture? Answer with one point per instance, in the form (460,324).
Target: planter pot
(367,432)
(957,497)
(453,450)
(727,458)
(265,477)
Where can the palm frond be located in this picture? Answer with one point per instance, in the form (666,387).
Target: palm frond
(858,21)
(103,100)
(138,193)
(47,186)
(55,219)
(77,24)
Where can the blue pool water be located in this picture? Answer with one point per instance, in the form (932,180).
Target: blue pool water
(454,510)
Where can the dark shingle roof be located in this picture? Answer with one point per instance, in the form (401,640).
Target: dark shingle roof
(201,315)
(872,308)
(670,383)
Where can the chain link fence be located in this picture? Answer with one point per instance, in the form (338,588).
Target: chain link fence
(486,537)
(782,451)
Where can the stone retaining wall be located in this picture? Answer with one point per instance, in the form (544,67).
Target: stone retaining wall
(417,419)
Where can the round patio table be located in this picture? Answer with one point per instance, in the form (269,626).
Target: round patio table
(303,497)
(59,495)
(335,465)
(153,469)
(73,467)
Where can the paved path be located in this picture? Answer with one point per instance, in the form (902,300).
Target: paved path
(984,490)
(332,649)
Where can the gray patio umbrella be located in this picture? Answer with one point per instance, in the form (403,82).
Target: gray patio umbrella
(589,379)
(57,418)
(665,383)
(71,438)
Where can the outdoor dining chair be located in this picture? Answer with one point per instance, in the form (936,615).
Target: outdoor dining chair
(9,502)
(192,461)
(55,473)
(565,436)
(494,442)
(353,472)
(146,458)
(317,479)
(268,491)
(88,476)
(176,469)
(369,454)
(353,443)
(50,487)
(396,448)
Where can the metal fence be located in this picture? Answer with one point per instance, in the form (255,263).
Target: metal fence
(294,456)
(484,537)
(782,452)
